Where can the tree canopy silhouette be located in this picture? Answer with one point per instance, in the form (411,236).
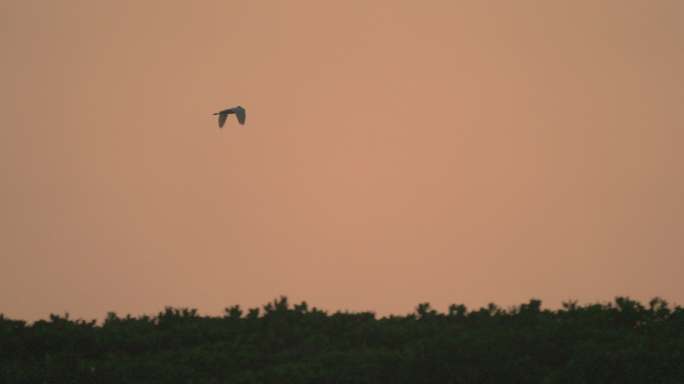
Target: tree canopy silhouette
(619,342)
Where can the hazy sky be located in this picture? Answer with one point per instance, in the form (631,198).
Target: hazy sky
(395,152)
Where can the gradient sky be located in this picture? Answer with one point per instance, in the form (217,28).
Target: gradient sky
(395,152)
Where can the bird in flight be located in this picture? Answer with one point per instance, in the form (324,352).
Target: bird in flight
(238,111)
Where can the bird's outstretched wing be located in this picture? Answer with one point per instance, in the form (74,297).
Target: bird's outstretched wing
(241,115)
(222,118)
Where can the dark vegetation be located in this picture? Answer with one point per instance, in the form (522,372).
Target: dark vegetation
(620,342)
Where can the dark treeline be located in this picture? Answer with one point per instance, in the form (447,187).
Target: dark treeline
(620,342)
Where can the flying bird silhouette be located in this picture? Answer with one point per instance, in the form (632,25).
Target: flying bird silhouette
(238,111)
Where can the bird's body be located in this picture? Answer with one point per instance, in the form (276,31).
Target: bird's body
(239,112)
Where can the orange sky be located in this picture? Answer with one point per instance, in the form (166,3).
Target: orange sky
(395,152)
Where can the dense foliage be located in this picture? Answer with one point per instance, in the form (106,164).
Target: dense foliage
(620,342)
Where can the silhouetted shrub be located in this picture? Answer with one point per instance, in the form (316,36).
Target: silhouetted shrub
(619,342)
